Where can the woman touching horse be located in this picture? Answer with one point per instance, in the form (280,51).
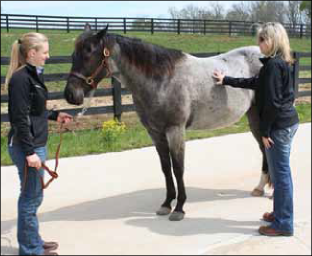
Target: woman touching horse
(278,120)
(172,91)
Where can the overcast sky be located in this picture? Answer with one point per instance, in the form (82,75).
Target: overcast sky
(157,9)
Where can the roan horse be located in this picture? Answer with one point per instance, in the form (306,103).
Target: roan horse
(171,90)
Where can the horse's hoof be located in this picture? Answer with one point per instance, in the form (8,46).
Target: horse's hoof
(176,216)
(163,211)
(257,192)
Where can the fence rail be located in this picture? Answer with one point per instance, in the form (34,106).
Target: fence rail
(152,25)
(117,91)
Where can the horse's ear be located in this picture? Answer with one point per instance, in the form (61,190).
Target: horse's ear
(87,27)
(102,33)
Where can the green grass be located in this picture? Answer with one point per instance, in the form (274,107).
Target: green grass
(91,141)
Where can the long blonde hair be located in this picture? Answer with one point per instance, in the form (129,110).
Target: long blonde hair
(275,35)
(20,49)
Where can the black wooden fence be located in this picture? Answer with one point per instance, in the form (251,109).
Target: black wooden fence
(151,25)
(117,91)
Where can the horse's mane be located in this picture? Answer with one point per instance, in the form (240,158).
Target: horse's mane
(153,60)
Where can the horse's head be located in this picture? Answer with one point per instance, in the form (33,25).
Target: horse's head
(89,65)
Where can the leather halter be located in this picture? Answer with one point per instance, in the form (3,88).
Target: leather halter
(90,79)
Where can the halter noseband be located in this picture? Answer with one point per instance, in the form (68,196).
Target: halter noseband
(90,79)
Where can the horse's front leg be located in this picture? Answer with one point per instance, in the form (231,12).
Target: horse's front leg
(175,136)
(162,148)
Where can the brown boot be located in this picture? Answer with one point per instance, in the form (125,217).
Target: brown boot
(268,216)
(268,231)
(52,246)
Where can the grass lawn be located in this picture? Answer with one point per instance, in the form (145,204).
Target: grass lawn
(91,141)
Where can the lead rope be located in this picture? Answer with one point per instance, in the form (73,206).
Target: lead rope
(53,174)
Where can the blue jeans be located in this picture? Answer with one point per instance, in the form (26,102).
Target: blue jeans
(278,157)
(30,242)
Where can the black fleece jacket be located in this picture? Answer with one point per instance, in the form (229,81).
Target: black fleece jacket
(274,94)
(27,109)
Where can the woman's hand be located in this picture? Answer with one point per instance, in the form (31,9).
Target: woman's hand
(64,118)
(219,76)
(33,161)
(267,142)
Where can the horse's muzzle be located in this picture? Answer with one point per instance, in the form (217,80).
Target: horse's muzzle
(73,96)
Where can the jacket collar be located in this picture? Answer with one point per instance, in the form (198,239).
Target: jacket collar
(265,60)
(34,73)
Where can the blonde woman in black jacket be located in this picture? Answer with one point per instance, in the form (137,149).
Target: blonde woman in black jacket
(29,133)
(278,120)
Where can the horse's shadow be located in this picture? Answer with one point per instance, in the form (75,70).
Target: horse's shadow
(143,205)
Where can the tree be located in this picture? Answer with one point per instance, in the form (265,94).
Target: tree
(266,11)
(217,11)
(294,13)
(240,11)
(306,8)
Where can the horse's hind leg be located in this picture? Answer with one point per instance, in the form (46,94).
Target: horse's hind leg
(162,148)
(254,123)
(175,136)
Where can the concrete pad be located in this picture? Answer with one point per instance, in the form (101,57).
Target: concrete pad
(106,204)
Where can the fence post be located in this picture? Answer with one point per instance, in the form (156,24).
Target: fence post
(301,30)
(125,25)
(179,26)
(230,28)
(67,25)
(205,27)
(37,25)
(296,73)
(117,98)
(152,26)
(95,24)
(7,23)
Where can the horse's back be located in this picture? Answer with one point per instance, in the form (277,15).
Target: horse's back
(214,106)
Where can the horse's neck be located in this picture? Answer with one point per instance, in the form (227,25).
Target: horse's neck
(127,74)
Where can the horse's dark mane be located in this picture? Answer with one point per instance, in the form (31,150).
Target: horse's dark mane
(153,60)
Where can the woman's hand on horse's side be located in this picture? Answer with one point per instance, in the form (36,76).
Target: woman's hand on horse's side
(219,76)
(33,161)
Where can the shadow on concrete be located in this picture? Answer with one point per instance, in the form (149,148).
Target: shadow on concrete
(143,205)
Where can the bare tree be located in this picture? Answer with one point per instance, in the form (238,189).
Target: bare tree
(265,11)
(305,7)
(240,12)
(217,11)
(294,14)
(174,13)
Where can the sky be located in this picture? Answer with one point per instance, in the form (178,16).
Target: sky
(148,9)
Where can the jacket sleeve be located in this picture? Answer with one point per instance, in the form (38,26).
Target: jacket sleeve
(19,104)
(53,114)
(272,81)
(246,83)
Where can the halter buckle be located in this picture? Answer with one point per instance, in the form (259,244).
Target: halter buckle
(106,52)
(89,80)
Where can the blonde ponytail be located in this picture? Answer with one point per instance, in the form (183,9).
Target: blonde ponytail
(20,49)
(16,62)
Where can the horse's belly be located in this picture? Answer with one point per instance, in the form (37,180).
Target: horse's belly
(208,120)
(220,112)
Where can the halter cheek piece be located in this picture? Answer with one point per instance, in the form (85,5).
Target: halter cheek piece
(90,79)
